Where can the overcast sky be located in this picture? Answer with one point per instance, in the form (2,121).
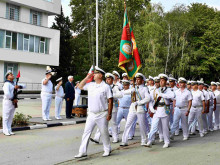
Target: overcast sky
(167,4)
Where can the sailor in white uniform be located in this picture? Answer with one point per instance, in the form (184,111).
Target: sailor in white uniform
(182,104)
(216,112)
(137,109)
(197,109)
(59,95)
(160,106)
(46,95)
(77,94)
(116,80)
(8,103)
(212,107)
(100,103)
(116,95)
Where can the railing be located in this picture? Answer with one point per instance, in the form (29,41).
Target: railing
(29,86)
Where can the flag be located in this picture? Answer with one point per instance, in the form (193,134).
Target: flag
(18,75)
(129,59)
(91,70)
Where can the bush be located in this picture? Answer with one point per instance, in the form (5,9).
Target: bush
(20,119)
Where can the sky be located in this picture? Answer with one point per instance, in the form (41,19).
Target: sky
(167,4)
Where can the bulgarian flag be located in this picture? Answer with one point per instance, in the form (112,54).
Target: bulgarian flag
(91,70)
(129,59)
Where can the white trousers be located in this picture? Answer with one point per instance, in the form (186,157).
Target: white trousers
(77,99)
(216,112)
(7,114)
(180,114)
(46,103)
(141,117)
(160,130)
(210,118)
(122,113)
(195,116)
(113,130)
(102,123)
(165,128)
(205,122)
(58,106)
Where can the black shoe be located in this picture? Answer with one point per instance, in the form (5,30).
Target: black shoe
(94,141)
(110,135)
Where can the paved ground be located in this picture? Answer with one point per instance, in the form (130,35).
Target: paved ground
(58,145)
(32,107)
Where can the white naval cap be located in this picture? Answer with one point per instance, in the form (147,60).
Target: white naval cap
(194,83)
(77,82)
(48,72)
(124,74)
(99,70)
(138,75)
(147,79)
(206,85)
(172,79)
(163,76)
(156,79)
(218,83)
(213,83)
(107,75)
(151,78)
(7,73)
(189,82)
(59,79)
(116,73)
(70,76)
(182,80)
(200,82)
(125,81)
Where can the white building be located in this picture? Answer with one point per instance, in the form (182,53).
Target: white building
(26,42)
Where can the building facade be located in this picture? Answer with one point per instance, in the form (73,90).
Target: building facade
(26,42)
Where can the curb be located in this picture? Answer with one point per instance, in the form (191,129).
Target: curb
(40,126)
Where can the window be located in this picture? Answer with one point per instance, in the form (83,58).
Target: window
(8,40)
(2,38)
(35,17)
(42,45)
(14,41)
(26,42)
(31,44)
(12,12)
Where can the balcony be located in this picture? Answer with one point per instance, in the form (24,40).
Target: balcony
(52,7)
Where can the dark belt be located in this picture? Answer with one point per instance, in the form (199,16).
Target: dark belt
(124,107)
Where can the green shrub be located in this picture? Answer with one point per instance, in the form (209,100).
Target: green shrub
(20,119)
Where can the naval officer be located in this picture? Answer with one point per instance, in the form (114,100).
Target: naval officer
(59,95)
(100,103)
(8,103)
(46,95)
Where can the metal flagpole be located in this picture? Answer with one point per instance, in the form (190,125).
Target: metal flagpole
(97,31)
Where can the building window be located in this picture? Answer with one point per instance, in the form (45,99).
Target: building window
(35,17)
(42,45)
(26,42)
(12,12)
(8,39)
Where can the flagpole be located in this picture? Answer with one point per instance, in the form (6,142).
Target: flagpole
(97,31)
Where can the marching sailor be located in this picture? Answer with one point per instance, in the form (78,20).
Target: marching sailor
(160,106)
(197,109)
(77,94)
(212,107)
(116,94)
(216,112)
(100,103)
(9,103)
(116,80)
(182,104)
(137,110)
(59,95)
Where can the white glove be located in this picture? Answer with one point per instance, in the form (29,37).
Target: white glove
(135,103)
(152,110)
